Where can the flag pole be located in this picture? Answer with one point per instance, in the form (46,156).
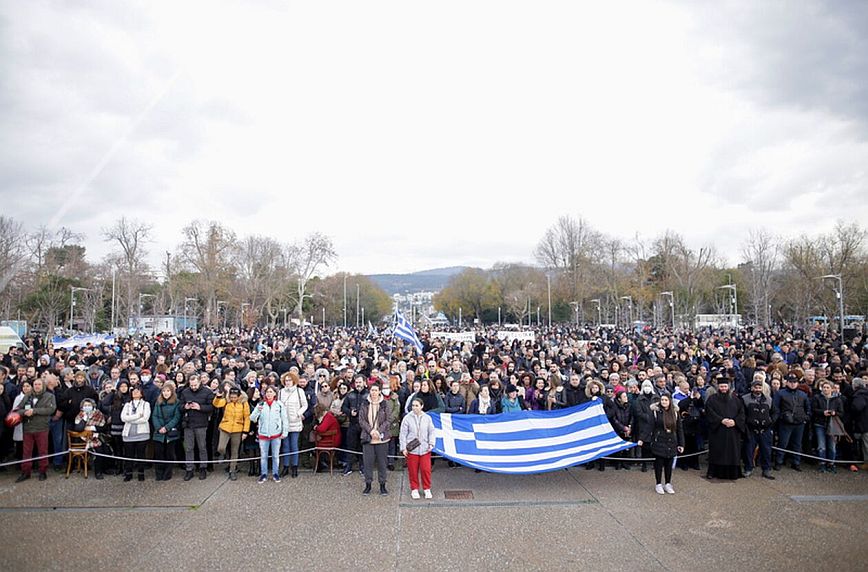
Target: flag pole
(392,336)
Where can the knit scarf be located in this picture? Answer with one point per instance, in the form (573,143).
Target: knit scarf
(484,405)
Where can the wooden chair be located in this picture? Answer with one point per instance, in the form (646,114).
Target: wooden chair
(78,452)
(327,451)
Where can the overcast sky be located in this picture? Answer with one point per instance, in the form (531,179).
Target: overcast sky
(420,135)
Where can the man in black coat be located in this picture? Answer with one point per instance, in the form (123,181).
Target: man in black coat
(351,406)
(725,415)
(196,409)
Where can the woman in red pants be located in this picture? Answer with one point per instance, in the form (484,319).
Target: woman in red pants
(417,441)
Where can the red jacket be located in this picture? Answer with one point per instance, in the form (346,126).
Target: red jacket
(328,432)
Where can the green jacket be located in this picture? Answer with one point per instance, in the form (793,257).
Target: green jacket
(168,416)
(44,407)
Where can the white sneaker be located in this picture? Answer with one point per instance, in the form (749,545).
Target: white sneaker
(659,489)
(414,494)
(668,488)
(428,494)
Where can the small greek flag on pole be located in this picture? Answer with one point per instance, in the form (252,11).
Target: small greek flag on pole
(527,442)
(405,331)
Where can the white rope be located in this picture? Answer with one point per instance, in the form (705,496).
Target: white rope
(10,463)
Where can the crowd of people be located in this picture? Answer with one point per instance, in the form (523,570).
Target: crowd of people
(275,398)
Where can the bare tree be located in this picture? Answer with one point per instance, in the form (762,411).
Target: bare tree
(571,246)
(12,251)
(261,273)
(131,236)
(305,258)
(207,247)
(760,254)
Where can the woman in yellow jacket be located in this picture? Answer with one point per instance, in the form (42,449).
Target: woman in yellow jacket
(233,427)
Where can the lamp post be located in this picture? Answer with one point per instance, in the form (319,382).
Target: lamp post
(284,316)
(599,312)
(529,285)
(498,316)
(72,291)
(357,304)
(186,299)
(549,283)
(629,309)
(243,305)
(733,299)
(345,300)
(575,306)
(141,307)
(114,273)
(671,306)
(223,303)
(839,293)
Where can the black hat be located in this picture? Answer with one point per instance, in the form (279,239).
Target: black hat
(510,388)
(756,382)
(792,377)
(234,391)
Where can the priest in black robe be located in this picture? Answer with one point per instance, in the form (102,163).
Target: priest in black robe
(726,424)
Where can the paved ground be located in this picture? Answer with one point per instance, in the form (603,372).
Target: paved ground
(572,519)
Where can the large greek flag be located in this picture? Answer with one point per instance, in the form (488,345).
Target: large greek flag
(528,441)
(405,331)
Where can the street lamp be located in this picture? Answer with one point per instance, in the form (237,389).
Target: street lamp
(529,321)
(733,300)
(671,306)
(549,282)
(839,293)
(629,308)
(223,302)
(185,310)
(243,305)
(72,291)
(575,306)
(599,312)
(141,307)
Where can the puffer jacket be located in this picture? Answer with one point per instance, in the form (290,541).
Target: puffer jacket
(417,427)
(294,401)
(166,415)
(663,443)
(236,416)
(271,420)
(383,420)
(136,416)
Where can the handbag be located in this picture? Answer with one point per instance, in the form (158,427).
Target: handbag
(836,429)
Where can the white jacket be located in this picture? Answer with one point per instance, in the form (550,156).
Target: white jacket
(295,402)
(140,419)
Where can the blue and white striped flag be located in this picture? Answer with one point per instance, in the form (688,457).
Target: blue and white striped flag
(405,331)
(527,442)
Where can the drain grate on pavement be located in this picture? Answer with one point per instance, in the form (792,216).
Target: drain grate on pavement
(458,495)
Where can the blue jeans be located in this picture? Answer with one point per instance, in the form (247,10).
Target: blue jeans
(790,438)
(266,448)
(764,440)
(57,433)
(289,450)
(826,445)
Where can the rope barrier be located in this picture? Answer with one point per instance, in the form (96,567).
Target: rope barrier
(10,463)
(819,458)
(348,451)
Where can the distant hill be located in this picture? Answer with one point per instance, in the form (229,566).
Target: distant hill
(423,281)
